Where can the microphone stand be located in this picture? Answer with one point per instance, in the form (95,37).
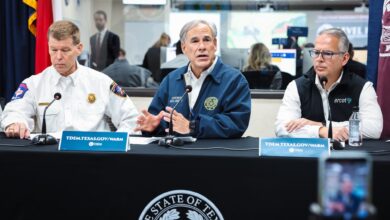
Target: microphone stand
(46,139)
(170,139)
(336,145)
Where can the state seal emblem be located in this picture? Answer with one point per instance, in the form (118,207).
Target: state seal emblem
(211,103)
(181,204)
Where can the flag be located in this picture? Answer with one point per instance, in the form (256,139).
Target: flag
(383,89)
(44,20)
(17,46)
(33,17)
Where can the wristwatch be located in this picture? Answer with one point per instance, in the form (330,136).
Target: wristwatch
(192,126)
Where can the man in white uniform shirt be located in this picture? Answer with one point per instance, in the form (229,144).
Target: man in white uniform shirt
(304,110)
(88,96)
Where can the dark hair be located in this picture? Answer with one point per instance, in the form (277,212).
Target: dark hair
(178,48)
(101,12)
(350,50)
(122,52)
(61,30)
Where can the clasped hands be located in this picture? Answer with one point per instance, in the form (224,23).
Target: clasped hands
(339,133)
(149,122)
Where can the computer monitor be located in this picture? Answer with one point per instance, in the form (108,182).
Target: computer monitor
(297,31)
(170,53)
(285,59)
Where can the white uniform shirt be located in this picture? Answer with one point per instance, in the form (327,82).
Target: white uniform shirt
(88,97)
(290,109)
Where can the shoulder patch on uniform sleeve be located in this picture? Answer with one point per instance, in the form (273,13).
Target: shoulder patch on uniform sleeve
(117,90)
(22,89)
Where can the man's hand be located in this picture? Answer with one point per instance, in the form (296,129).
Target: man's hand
(339,133)
(17,130)
(148,122)
(296,124)
(180,123)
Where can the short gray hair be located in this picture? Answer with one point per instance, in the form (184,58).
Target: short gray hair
(187,27)
(339,34)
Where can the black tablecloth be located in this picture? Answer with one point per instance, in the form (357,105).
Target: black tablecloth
(41,182)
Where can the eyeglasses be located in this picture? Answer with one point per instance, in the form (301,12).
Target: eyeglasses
(324,54)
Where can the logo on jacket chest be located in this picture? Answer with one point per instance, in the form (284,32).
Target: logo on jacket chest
(211,103)
(342,101)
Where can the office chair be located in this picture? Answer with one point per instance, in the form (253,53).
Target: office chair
(259,79)
(286,79)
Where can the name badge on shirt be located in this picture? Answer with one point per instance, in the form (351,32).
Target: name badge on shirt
(94,141)
(43,104)
(293,147)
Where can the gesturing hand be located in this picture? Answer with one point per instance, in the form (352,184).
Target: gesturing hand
(148,122)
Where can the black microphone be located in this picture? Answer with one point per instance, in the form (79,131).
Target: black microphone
(334,143)
(43,139)
(170,139)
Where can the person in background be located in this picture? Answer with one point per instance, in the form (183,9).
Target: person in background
(179,61)
(152,59)
(88,98)
(127,75)
(219,105)
(355,66)
(260,60)
(292,43)
(304,109)
(104,44)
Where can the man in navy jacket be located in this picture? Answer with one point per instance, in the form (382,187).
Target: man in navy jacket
(219,105)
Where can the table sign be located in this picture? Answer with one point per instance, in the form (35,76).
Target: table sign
(293,147)
(94,141)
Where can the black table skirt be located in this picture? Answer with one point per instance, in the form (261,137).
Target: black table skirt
(41,182)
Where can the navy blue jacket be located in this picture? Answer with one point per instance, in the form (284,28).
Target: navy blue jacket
(222,109)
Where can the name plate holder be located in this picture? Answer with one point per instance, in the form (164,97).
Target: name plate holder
(293,147)
(94,141)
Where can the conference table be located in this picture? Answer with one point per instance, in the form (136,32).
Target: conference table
(40,182)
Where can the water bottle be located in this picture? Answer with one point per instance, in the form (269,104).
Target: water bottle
(355,128)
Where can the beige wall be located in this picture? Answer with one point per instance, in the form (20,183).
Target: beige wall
(262,118)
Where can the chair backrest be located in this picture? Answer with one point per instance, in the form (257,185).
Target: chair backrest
(165,72)
(286,79)
(259,79)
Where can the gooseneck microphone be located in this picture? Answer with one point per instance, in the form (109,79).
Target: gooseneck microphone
(170,139)
(334,143)
(188,89)
(43,139)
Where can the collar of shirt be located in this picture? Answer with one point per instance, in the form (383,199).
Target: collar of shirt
(324,97)
(319,86)
(102,34)
(57,78)
(196,83)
